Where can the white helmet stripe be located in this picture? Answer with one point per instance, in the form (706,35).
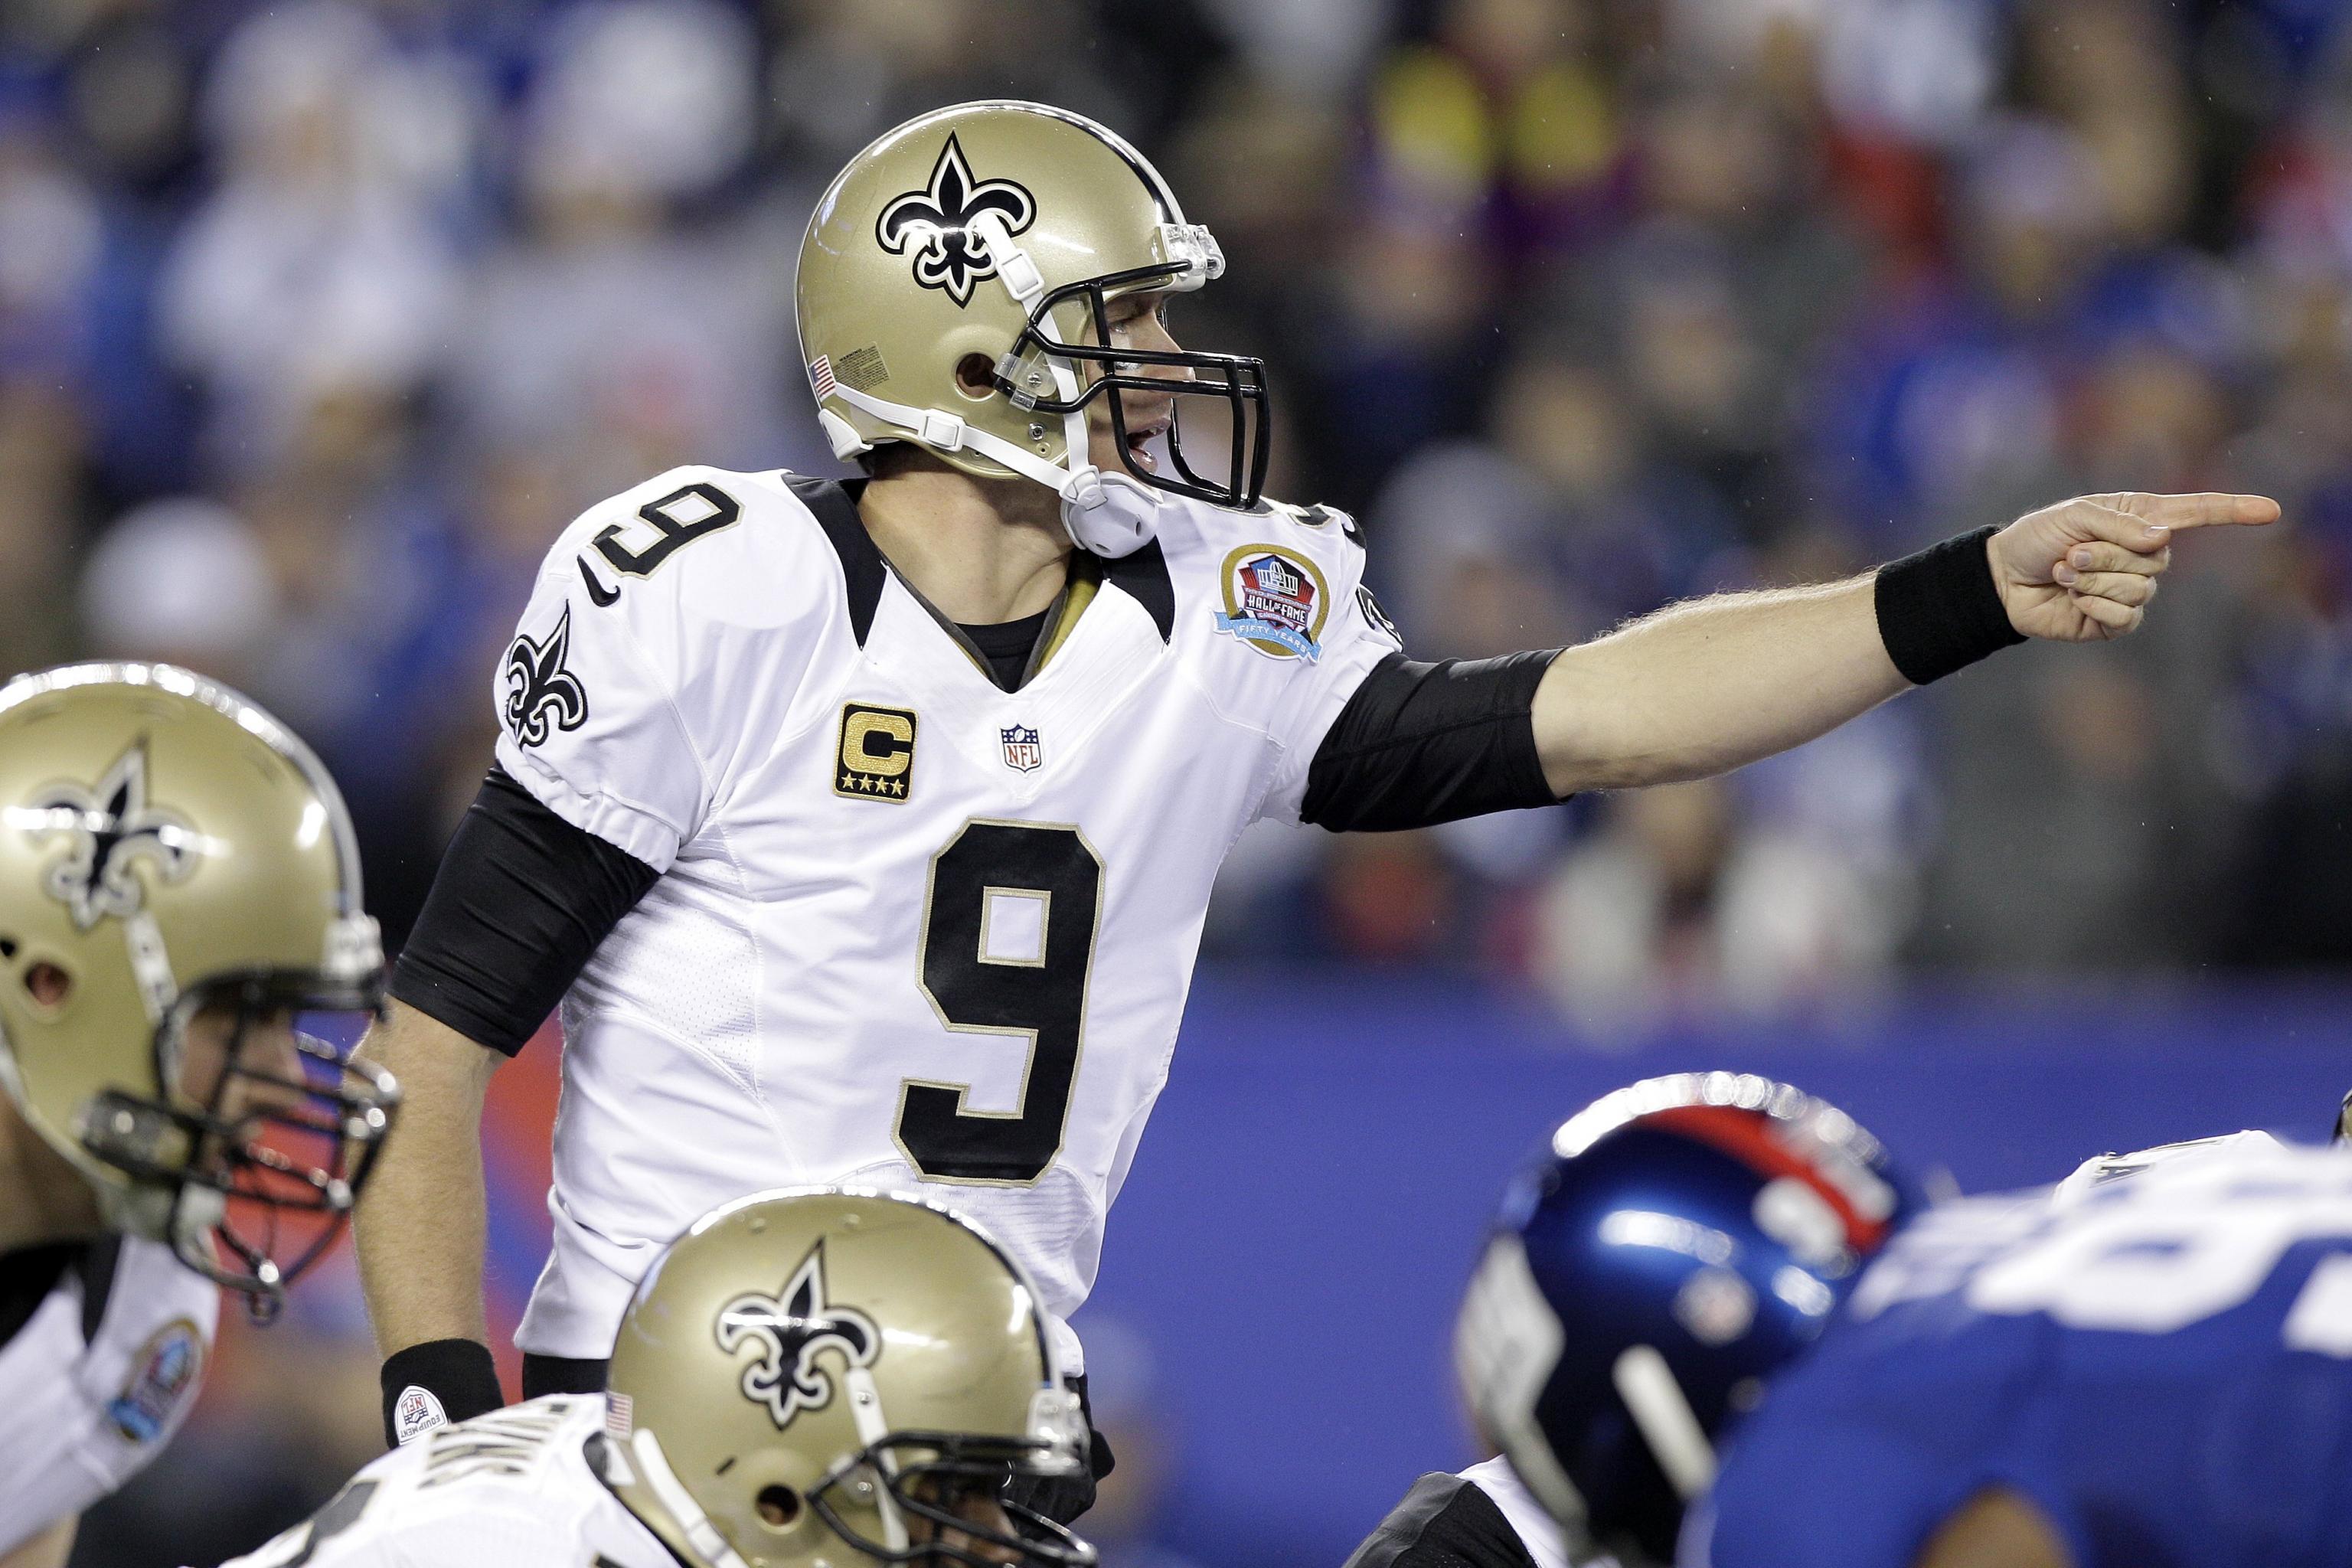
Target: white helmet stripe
(1660,1408)
(873,1427)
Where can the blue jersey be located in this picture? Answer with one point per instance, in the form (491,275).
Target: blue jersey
(2162,1362)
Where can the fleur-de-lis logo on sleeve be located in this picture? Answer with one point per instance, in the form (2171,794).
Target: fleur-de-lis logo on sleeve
(542,696)
(790,1329)
(936,223)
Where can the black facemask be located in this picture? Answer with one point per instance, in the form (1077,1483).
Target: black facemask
(942,1468)
(273,1182)
(1235,380)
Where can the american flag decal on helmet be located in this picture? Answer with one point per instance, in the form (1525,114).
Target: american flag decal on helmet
(620,1414)
(820,376)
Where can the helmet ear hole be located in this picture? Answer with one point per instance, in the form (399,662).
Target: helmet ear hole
(7,948)
(975,376)
(47,984)
(780,1507)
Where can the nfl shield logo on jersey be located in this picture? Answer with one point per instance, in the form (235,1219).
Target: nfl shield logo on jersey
(1021,751)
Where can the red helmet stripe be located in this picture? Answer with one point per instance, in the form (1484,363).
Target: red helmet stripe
(1747,1136)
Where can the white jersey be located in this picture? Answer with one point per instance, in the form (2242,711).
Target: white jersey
(509,1489)
(97,1380)
(913,932)
(1545,1542)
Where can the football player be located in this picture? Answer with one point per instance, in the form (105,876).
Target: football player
(865,831)
(1680,1241)
(816,1379)
(178,881)
(2155,1374)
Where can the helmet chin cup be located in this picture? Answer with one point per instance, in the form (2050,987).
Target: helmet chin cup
(1109,515)
(842,435)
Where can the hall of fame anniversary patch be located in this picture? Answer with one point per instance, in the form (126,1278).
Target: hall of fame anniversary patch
(1277,600)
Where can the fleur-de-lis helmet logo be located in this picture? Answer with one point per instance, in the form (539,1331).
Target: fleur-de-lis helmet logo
(113,826)
(936,223)
(542,689)
(791,1329)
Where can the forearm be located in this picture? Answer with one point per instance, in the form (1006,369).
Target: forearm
(49,1549)
(1705,687)
(420,1225)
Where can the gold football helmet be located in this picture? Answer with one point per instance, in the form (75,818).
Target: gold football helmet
(178,886)
(953,292)
(822,1378)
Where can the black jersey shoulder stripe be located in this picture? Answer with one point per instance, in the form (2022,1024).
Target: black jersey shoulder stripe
(97,1266)
(1143,576)
(27,1277)
(835,506)
(1444,1522)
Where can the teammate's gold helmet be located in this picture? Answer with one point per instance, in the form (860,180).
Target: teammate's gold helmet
(828,1379)
(170,856)
(985,239)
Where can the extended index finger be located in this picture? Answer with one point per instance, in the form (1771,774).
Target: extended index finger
(2203,510)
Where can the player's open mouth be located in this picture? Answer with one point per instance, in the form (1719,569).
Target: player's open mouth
(1139,436)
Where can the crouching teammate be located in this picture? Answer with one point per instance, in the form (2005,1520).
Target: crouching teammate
(1682,1240)
(177,883)
(819,1379)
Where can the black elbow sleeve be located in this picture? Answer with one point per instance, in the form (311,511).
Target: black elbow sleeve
(520,902)
(1425,744)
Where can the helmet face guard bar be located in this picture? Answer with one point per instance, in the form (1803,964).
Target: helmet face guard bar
(275,1154)
(955,1464)
(1237,380)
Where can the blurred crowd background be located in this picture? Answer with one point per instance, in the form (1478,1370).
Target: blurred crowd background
(317,320)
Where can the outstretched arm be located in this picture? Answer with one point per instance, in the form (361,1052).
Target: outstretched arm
(1705,687)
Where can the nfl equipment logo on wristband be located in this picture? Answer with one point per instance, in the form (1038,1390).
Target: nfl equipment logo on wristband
(415,1412)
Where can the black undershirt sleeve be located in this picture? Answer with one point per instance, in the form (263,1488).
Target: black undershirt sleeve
(523,898)
(1423,743)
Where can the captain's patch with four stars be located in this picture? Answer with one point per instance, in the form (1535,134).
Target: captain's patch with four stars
(877,758)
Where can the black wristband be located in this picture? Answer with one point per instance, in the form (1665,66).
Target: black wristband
(1938,610)
(436,1382)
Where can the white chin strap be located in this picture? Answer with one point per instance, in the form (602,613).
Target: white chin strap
(1105,514)
(183,1223)
(700,1533)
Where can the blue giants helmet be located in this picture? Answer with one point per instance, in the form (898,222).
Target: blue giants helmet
(1680,1241)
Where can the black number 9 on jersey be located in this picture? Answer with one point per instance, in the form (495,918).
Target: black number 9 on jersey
(1008,946)
(718,510)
